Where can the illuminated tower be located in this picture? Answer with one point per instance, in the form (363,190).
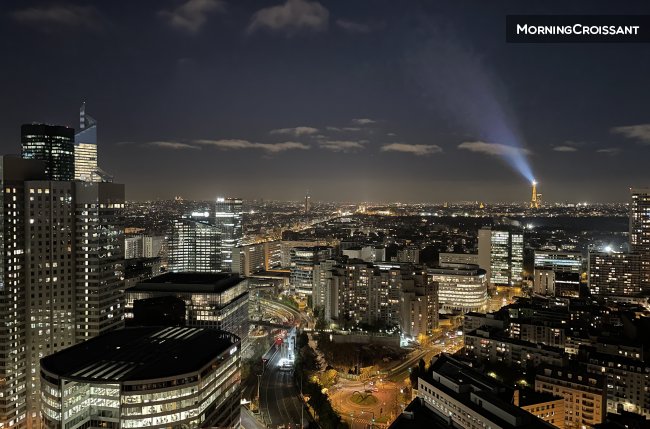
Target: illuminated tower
(534,201)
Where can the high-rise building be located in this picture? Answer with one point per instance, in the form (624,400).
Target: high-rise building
(53,144)
(501,255)
(614,273)
(85,147)
(144,377)
(303,260)
(62,274)
(640,230)
(228,220)
(100,258)
(307,204)
(195,244)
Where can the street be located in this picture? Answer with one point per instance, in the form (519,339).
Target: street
(279,399)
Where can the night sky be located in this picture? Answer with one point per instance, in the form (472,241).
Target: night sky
(363,100)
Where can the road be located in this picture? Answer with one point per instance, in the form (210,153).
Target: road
(249,421)
(279,398)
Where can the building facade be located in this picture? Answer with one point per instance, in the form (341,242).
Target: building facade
(501,255)
(53,144)
(195,245)
(144,377)
(85,148)
(614,274)
(212,300)
(303,260)
(460,287)
(584,394)
(228,220)
(63,274)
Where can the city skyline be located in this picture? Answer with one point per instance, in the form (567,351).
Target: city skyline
(423,103)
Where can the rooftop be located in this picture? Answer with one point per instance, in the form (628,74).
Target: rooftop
(135,354)
(189,282)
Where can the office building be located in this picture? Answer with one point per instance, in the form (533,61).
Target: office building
(584,394)
(252,258)
(303,260)
(614,274)
(458,258)
(286,246)
(85,148)
(557,273)
(62,272)
(195,245)
(144,377)
(460,287)
(53,144)
(228,220)
(468,399)
(212,300)
(501,255)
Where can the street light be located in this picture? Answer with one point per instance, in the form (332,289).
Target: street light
(259,402)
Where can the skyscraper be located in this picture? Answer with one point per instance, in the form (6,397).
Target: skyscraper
(61,275)
(228,220)
(85,147)
(53,144)
(195,244)
(501,254)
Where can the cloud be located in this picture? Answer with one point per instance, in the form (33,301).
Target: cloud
(494,149)
(47,18)
(292,17)
(296,131)
(363,121)
(564,148)
(238,144)
(353,27)
(415,149)
(173,145)
(639,132)
(609,150)
(192,15)
(343,145)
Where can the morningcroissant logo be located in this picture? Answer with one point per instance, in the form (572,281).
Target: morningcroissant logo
(578,28)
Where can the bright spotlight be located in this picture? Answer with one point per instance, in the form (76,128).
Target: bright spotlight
(534,182)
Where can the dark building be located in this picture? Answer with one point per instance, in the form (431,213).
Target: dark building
(159,311)
(212,300)
(53,144)
(144,377)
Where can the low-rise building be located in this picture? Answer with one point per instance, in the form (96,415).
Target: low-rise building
(144,377)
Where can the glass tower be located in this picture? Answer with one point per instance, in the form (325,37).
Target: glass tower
(53,144)
(228,220)
(85,147)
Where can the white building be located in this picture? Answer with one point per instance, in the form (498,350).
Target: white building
(460,287)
